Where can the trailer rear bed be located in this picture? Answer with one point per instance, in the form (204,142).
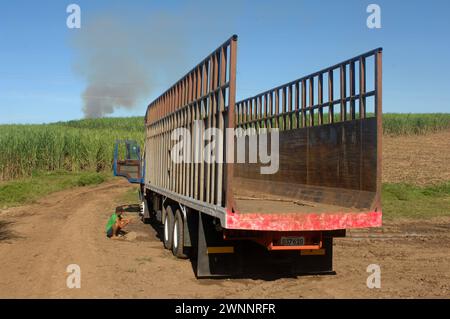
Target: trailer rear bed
(266,212)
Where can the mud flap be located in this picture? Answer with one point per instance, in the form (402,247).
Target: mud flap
(315,264)
(215,257)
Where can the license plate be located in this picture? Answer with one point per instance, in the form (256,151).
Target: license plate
(292,241)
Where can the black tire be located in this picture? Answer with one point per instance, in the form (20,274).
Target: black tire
(178,236)
(168,228)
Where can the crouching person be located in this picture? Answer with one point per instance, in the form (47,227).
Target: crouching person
(116,223)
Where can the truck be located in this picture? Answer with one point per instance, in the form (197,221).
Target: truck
(324,131)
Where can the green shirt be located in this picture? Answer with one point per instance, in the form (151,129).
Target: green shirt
(111,221)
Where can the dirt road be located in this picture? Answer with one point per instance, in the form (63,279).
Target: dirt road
(38,242)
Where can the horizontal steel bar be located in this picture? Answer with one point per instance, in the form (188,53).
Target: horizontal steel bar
(201,206)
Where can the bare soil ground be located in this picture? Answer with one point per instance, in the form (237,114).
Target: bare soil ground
(39,241)
(418,160)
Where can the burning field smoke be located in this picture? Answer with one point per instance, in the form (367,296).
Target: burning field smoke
(122,59)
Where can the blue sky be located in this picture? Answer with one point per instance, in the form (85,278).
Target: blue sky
(278,41)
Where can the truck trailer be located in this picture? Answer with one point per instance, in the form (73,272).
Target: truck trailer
(228,216)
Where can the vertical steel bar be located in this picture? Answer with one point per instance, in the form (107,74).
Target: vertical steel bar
(171,179)
(284,108)
(290,108)
(246,114)
(164,156)
(304,103)
(330,97)
(195,129)
(343,93)
(277,108)
(190,143)
(270,111)
(266,110)
(231,124)
(362,87)
(352,90)
(251,117)
(166,150)
(210,125)
(177,165)
(223,68)
(379,115)
(202,129)
(311,101)
(183,164)
(320,99)
(297,104)
(260,115)
(214,121)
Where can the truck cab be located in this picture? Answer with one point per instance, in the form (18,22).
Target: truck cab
(127,161)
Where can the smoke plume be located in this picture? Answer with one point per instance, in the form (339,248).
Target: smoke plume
(121,60)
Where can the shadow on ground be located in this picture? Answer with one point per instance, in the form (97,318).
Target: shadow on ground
(5,232)
(129,208)
(254,270)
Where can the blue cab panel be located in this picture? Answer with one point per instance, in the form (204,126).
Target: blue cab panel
(127,161)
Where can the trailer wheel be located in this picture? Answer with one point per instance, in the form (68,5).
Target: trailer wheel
(168,228)
(178,236)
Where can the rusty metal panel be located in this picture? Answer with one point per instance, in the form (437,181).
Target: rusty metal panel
(325,159)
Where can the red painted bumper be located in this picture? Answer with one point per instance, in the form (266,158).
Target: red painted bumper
(303,222)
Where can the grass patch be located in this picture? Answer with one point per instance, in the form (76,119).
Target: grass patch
(409,201)
(87,179)
(131,196)
(415,124)
(76,146)
(27,190)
